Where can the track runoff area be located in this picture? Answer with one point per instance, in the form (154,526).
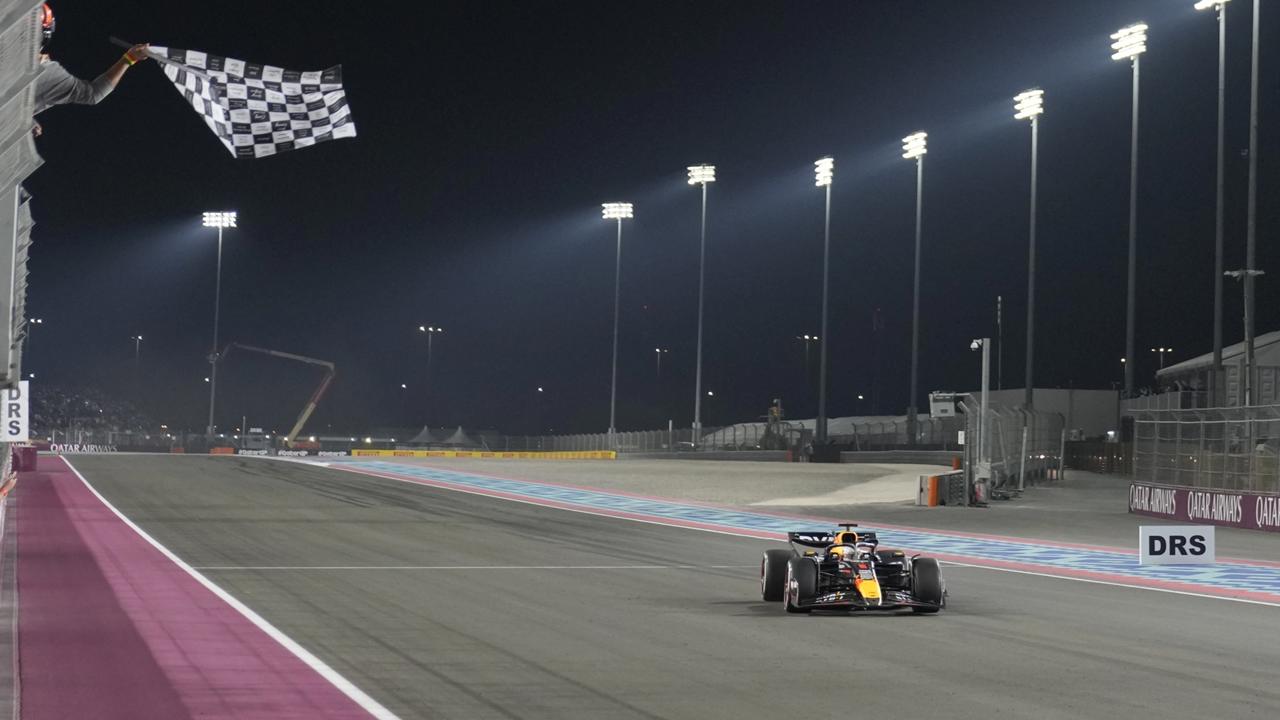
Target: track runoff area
(171,586)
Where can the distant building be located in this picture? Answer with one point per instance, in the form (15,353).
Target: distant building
(1191,383)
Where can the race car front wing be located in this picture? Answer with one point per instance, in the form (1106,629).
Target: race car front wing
(851,600)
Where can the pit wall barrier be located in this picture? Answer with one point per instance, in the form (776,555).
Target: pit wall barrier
(489,454)
(1228,508)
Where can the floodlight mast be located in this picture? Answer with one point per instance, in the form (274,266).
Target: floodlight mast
(1130,43)
(914,147)
(1029,105)
(700,175)
(219,220)
(618,211)
(1221,7)
(824,174)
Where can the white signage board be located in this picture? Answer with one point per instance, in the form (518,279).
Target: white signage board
(1176,545)
(17,415)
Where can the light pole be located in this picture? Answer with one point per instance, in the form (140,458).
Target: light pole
(914,147)
(31,326)
(217,220)
(700,175)
(1251,266)
(999,342)
(1130,43)
(1029,105)
(824,173)
(137,354)
(1221,7)
(808,340)
(430,331)
(984,344)
(1247,276)
(1161,351)
(616,211)
(659,352)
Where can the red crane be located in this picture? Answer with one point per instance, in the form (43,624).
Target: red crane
(319,392)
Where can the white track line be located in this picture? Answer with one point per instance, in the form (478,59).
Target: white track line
(1111,583)
(345,686)
(473,567)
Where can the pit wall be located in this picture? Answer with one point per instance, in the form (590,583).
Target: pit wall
(1228,508)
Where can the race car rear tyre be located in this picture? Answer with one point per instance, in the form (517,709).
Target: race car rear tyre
(926,584)
(802,584)
(773,574)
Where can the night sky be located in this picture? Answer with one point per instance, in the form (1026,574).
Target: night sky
(490,132)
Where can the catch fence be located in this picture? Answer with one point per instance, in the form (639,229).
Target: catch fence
(1021,445)
(1222,448)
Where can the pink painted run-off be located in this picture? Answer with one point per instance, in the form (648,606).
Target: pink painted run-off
(108,627)
(1051,570)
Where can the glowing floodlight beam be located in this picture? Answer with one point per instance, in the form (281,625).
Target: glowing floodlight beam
(220,219)
(617,211)
(1211,4)
(824,171)
(915,145)
(1130,42)
(1028,105)
(702,174)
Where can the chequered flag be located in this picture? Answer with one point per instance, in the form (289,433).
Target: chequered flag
(260,110)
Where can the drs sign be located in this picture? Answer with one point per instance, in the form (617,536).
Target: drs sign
(1176,544)
(16,415)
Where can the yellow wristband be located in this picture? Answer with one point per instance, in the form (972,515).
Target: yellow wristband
(129,60)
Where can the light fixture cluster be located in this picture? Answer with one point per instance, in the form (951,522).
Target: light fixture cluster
(1029,104)
(702,174)
(220,219)
(915,145)
(824,171)
(1130,42)
(617,211)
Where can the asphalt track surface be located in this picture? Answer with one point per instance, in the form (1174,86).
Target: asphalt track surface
(442,604)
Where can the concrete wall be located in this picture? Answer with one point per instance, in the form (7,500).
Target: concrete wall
(1093,412)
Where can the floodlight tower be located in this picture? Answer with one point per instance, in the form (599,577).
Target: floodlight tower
(914,147)
(1029,105)
(430,331)
(137,355)
(1251,266)
(702,175)
(823,174)
(616,211)
(1221,7)
(219,220)
(1130,43)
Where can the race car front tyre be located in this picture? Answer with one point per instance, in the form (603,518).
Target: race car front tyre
(926,584)
(773,574)
(802,583)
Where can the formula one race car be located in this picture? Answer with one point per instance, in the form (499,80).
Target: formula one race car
(846,570)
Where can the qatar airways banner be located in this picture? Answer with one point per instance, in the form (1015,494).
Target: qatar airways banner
(1251,511)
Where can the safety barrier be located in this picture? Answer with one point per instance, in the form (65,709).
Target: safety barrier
(493,455)
(943,489)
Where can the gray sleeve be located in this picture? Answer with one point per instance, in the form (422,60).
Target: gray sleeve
(56,86)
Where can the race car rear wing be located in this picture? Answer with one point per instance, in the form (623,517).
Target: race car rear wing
(821,539)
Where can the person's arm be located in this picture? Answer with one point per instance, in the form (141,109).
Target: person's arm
(56,86)
(107,81)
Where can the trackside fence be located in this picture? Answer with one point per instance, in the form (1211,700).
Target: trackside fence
(1022,446)
(1222,448)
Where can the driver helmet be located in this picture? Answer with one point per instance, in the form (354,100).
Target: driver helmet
(844,552)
